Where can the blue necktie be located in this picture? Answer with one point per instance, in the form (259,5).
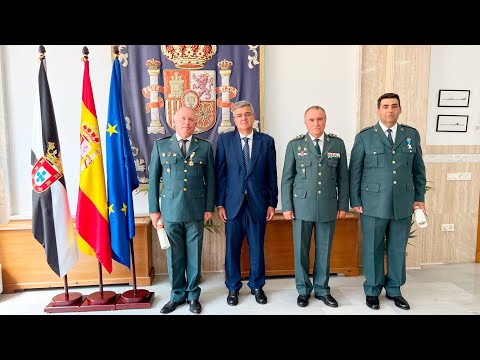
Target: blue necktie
(246,154)
(389,136)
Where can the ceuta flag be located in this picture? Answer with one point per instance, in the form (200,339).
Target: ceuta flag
(121,174)
(52,224)
(92,209)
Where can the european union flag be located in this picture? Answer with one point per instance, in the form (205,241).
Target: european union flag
(121,174)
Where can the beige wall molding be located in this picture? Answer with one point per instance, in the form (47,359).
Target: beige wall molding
(4,173)
(458,158)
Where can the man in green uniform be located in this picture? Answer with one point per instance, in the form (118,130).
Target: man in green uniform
(387,182)
(314,195)
(186,166)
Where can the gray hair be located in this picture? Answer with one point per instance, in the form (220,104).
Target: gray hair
(241,104)
(315,107)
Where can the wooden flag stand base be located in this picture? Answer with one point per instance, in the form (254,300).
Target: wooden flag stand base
(65,303)
(135,299)
(141,299)
(100,301)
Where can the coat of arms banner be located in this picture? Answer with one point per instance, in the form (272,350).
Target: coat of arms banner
(159,79)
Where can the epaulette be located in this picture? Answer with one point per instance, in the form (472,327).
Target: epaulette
(196,138)
(164,138)
(301,136)
(368,127)
(334,136)
(408,126)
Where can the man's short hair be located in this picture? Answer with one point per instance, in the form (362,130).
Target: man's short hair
(242,103)
(388,96)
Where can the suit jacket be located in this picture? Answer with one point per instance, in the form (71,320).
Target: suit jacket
(315,187)
(188,184)
(387,179)
(260,181)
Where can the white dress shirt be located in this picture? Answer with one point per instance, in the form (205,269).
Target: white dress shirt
(250,142)
(320,141)
(394,130)
(187,143)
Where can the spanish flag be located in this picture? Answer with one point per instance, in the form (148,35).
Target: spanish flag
(92,208)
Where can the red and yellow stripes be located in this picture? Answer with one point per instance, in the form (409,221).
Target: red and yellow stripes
(92,209)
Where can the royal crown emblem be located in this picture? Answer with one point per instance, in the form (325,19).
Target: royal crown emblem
(225,64)
(52,158)
(189,56)
(153,64)
(89,145)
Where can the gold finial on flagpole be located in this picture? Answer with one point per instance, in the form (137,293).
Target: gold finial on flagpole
(116,51)
(85,53)
(42,51)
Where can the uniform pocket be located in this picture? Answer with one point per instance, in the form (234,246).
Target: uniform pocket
(408,154)
(198,165)
(332,165)
(196,194)
(374,157)
(167,194)
(300,193)
(168,165)
(304,168)
(370,187)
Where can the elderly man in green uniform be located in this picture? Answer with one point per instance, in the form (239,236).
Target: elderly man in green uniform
(387,182)
(186,166)
(314,195)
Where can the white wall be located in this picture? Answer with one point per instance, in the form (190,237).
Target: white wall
(454,67)
(65,74)
(296,77)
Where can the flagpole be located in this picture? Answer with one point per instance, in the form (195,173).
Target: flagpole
(65,299)
(135,295)
(100,297)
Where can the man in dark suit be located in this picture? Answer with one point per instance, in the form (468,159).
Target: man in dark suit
(186,166)
(314,195)
(247,194)
(387,182)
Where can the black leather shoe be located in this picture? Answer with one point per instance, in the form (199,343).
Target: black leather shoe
(232,298)
(328,300)
(399,302)
(195,306)
(171,306)
(302,300)
(372,302)
(260,296)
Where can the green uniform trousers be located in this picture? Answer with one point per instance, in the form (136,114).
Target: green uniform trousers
(302,237)
(186,239)
(376,246)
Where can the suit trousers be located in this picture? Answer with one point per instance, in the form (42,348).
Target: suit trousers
(184,258)
(374,232)
(235,230)
(302,237)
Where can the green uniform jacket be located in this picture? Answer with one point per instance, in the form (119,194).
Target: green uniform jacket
(387,179)
(188,188)
(314,187)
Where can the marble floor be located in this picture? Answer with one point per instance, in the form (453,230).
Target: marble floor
(452,289)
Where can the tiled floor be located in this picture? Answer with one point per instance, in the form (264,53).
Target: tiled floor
(434,289)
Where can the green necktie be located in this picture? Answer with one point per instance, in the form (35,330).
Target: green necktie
(315,143)
(389,136)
